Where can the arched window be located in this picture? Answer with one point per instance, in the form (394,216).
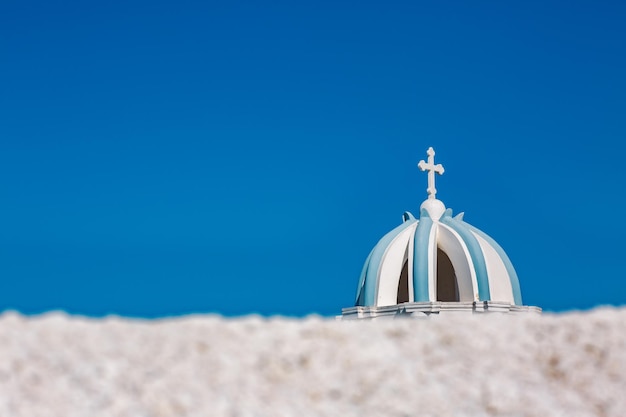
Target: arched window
(447,286)
(403,285)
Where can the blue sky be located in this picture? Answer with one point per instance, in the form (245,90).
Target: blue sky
(163,158)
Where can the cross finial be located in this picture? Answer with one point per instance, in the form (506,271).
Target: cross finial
(431,168)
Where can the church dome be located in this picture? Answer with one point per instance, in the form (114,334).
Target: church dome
(437,260)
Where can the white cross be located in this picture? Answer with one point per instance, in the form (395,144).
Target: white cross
(431,168)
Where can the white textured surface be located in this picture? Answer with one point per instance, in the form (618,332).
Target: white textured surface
(553,365)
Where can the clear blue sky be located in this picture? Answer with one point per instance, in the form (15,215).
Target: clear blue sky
(161,158)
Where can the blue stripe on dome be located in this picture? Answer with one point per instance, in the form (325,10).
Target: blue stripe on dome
(420,257)
(368,296)
(476,253)
(359,290)
(517,293)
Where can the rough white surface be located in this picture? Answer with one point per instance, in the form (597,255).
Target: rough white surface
(570,364)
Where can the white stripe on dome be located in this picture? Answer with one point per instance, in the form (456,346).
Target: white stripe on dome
(410,256)
(453,245)
(432,263)
(499,281)
(367,296)
(388,276)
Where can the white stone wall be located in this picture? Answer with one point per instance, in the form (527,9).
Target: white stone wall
(459,365)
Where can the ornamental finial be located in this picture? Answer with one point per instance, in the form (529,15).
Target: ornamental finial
(431,168)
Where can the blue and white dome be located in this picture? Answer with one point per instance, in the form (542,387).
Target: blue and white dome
(437,259)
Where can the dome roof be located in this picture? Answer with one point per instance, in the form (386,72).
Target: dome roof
(437,258)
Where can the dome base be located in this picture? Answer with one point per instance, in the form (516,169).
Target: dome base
(429,308)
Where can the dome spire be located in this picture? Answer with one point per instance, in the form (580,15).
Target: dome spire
(431,168)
